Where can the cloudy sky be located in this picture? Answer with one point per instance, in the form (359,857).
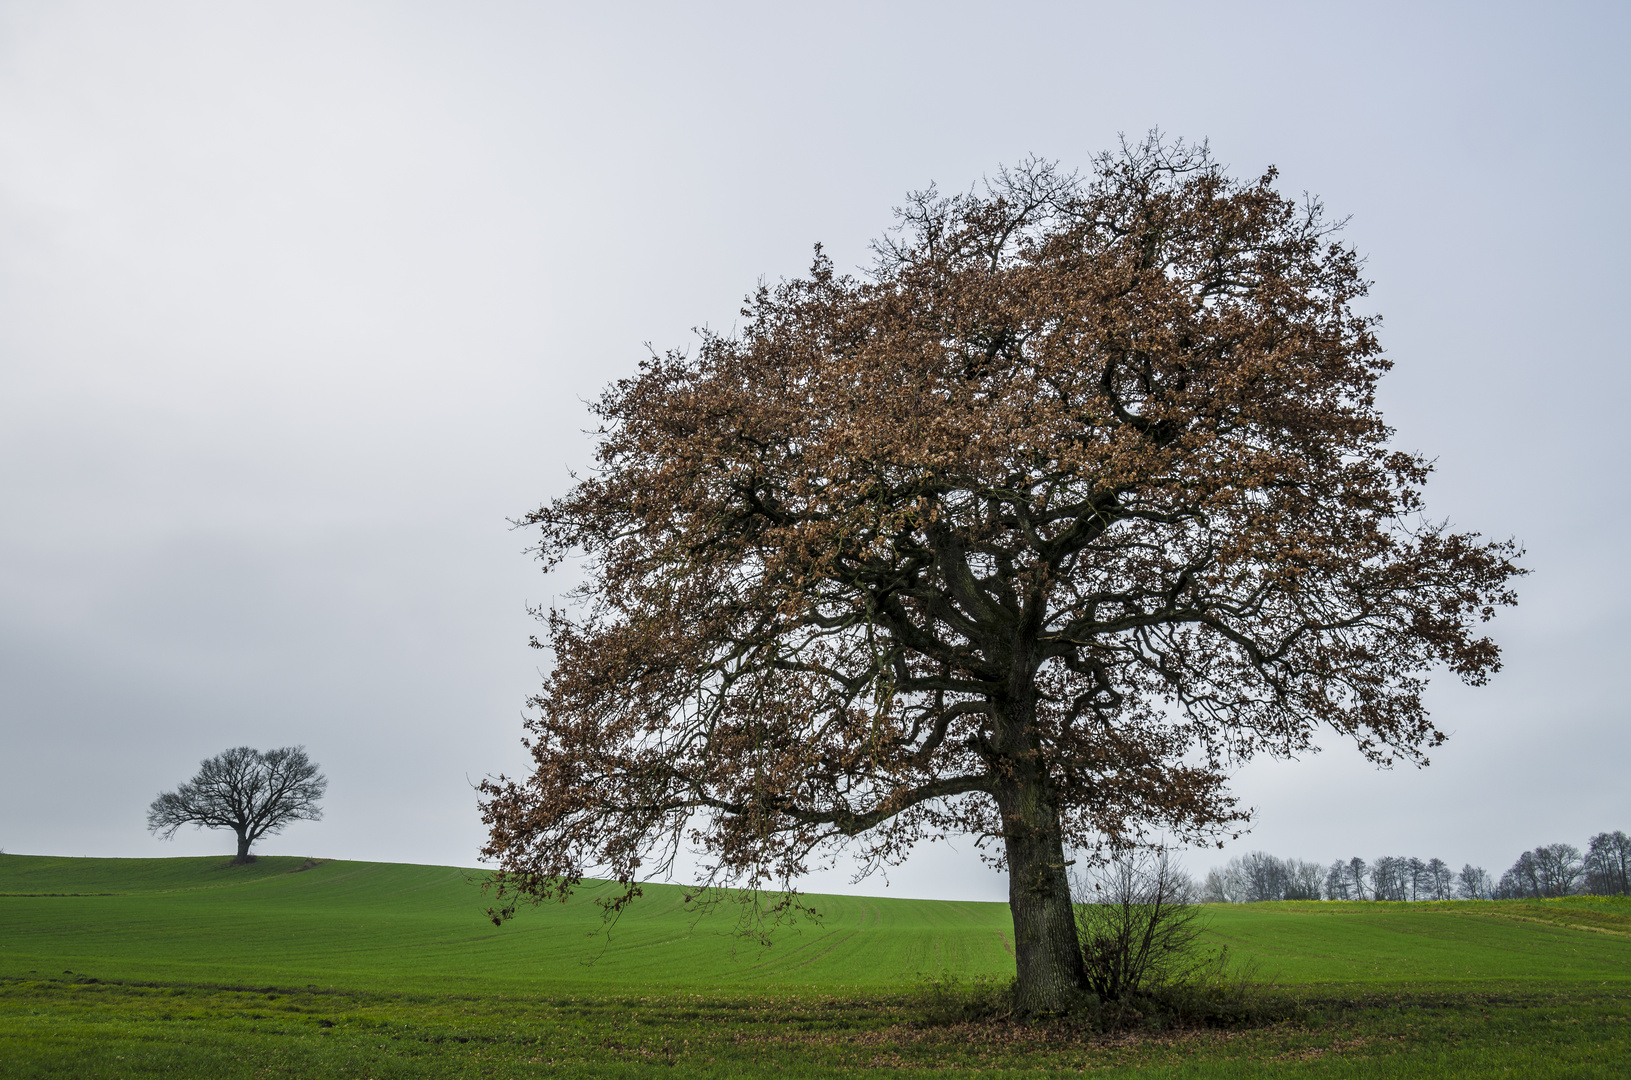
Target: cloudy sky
(299,302)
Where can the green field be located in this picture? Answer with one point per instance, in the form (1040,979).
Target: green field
(148,967)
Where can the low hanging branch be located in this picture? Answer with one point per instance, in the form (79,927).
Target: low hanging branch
(1078,497)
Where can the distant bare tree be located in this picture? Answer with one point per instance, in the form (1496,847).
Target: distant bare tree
(1474,883)
(1440,880)
(1608,864)
(241,789)
(1520,880)
(1549,870)
(1224,885)
(1558,868)
(1258,876)
(1414,874)
(1265,876)
(1137,921)
(1337,886)
(1390,878)
(1303,880)
(1358,878)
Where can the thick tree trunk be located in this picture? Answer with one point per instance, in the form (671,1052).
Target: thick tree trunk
(1045,946)
(243,855)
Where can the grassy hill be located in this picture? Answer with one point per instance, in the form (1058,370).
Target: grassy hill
(403,926)
(288,922)
(285,967)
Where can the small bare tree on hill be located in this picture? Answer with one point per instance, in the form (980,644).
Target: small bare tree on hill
(252,793)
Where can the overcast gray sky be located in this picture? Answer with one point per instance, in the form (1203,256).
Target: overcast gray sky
(300,301)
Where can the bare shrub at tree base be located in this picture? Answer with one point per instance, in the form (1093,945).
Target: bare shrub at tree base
(1138,924)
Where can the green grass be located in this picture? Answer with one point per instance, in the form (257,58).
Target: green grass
(191,967)
(385,925)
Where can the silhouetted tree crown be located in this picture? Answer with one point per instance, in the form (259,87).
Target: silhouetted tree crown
(1078,496)
(252,793)
(1608,864)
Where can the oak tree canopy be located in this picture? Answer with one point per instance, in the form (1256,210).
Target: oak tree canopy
(1076,498)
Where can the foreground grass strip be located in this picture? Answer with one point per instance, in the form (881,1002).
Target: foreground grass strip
(79,1028)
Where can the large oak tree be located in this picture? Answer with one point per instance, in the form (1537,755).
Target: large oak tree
(1074,500)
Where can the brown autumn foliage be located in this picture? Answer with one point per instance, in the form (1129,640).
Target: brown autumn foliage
(1077,497)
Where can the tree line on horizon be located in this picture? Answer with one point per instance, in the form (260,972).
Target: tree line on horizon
(1551,870)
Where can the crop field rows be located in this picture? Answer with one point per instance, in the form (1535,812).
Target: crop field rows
(299,968)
